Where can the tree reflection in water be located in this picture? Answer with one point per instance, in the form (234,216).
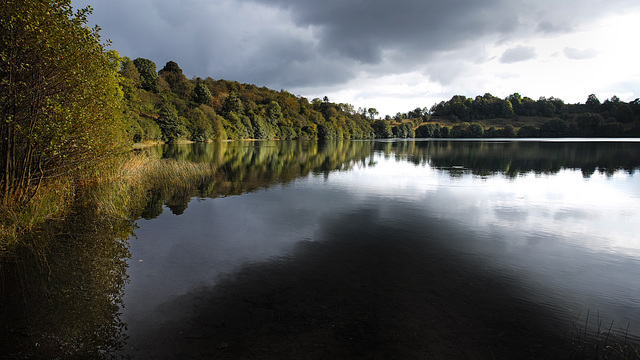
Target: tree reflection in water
(61,296)
(248,166)
(513,158)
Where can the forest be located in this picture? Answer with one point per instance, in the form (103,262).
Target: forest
(166,106)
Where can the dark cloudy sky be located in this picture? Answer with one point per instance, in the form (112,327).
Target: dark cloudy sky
(394,55)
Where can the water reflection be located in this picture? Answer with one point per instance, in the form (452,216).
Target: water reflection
(363,287)
(61,296)
(519,157)
(247,166)
(541,237)
(372,246)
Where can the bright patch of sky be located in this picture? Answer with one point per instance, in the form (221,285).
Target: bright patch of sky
(599,60)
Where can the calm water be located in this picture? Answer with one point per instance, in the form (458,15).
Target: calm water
(368,245)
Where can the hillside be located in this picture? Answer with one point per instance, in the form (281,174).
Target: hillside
(166,106)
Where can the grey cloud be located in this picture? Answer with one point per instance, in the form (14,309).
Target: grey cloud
(518,54)
(577,54)
(306,43)
(451,66)
(225,39)
(362,30)
(446,73)
(548,27)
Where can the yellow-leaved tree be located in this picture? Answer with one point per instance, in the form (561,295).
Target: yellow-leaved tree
(60,102)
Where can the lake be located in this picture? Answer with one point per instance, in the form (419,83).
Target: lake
(354,249)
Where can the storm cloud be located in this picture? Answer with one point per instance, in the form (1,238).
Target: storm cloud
(517,54)
(324,45)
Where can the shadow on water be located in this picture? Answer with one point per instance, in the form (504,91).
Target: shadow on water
(363,289)
(62,290)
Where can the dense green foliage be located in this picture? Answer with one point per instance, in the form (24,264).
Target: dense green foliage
(60,99)
(230,110)
(545,117)
(207,109)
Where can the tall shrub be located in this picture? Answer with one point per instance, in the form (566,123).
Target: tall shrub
(60,103)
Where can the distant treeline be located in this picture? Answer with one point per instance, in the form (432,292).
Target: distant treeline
(545,117)
(166,106)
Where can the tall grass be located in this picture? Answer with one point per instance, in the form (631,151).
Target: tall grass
(608,342)
(124,189)
(114,189)
(49,202)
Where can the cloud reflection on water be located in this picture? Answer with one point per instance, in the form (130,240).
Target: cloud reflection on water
(558,240)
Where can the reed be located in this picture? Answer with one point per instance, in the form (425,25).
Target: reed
(606,343)
(126,187)
(48,203)
(113,189)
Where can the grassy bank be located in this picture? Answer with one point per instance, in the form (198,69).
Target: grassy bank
(113,190)
(49,203)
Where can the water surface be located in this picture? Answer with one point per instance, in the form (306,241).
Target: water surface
(368,249)
(549,229)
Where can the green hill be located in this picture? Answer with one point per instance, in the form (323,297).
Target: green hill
(166,106)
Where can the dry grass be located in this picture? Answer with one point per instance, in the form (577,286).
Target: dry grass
(607,343)
(124,187)
(112,189)
(48,203)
